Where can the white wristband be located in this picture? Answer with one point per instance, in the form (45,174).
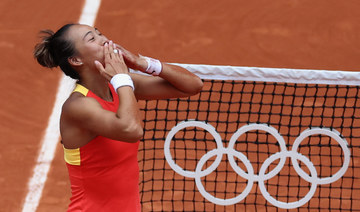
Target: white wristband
(120,80)
(154,66)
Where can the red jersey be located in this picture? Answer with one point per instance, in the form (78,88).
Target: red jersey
(104,173)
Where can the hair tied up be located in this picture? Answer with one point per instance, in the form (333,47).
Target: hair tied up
(43,51)
(55,49)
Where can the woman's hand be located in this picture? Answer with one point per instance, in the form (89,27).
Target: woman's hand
(114,62)
(133,61)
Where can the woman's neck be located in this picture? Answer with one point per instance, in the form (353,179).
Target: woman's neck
(98,85)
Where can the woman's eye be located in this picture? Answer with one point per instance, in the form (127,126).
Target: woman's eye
(91,39)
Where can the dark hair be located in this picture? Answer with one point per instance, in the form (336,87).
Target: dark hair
(55,49)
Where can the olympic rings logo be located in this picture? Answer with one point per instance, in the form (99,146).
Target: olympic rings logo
(261,176)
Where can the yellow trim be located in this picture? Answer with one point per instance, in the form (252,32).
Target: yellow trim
(81,89)
(72,156)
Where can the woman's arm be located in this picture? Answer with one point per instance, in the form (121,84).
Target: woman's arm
(126,124)
(84,119)
(172,82)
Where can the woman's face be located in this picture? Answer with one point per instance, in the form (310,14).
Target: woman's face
(89,43)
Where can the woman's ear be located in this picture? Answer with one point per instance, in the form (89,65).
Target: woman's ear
(75,61)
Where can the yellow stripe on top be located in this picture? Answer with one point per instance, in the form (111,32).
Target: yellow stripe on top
(81,89)
(72,156)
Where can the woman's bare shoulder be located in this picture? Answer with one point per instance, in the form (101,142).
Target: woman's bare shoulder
(78,104)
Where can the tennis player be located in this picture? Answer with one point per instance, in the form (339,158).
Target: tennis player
(100,122)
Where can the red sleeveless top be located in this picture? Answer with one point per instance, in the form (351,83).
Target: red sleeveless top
(104,173)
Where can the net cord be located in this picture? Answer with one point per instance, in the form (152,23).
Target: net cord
(281,75)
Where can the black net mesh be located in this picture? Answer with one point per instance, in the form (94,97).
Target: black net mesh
(229,105)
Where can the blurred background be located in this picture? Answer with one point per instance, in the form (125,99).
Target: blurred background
(302,34)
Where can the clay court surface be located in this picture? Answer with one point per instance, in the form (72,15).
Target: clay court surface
(321,34)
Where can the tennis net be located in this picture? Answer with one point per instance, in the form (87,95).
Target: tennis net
(254,139)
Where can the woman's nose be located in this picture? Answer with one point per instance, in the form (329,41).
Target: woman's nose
(104,40)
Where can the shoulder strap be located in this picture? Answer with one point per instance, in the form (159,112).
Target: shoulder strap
(81,89)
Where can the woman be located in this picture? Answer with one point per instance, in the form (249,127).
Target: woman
(100,123)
